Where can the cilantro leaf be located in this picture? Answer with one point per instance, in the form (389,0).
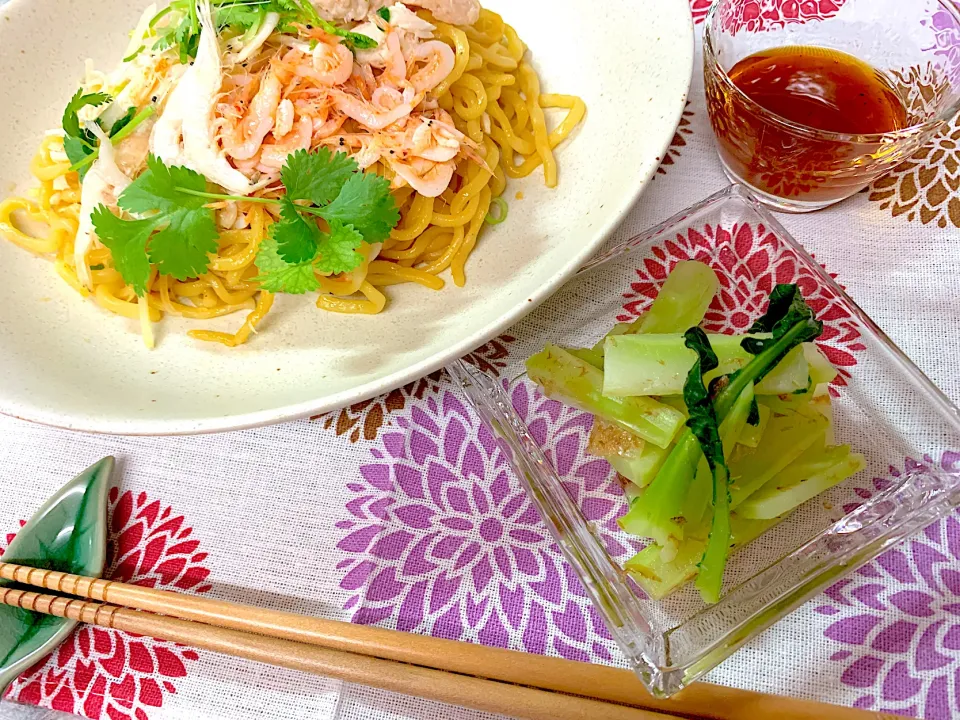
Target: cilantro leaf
(71,118)
(77,151)
(338,250)
(384,12)
(366,203)
(297,237)
(157,189)
(127,241)
(187,230)
(318,176)
(181,248)
(279,276)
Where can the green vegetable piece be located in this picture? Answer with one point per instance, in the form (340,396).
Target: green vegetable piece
(297,237)
(639,466)
(337,251)
(592,356)
(366,203)
(278,276)
(318,176)
(659,577)
(658,364)
(791,374)
(705,426)
(71,117)
(682,301)
(822,371)
(575,382)
(698,499)
(814,472)
(786,438)
(187,230)
(752,434)
(67,534)
(127,241)
(384,12)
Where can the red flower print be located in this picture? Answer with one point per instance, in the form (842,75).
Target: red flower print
(760,15)
(752,256)
(111,675)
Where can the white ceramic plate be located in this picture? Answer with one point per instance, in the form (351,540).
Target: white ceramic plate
(65,362)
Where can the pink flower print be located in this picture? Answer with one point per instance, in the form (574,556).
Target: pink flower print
(442,539)
(749,261)
(898,622)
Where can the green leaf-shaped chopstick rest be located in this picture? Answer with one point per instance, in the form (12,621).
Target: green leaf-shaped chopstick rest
(68,534)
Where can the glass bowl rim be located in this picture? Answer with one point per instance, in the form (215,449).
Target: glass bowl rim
(710,63)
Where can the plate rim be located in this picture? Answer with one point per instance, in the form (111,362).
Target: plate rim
(140,427)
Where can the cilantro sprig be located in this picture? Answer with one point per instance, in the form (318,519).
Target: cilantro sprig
(172,226)
(243,17)
(82,146)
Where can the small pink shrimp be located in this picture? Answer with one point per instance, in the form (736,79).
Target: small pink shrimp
(285,118)
(439,59)
(395,71)
(244,140)
(428,178)
(332,64)
(369,115)
(272,157)
(328,127)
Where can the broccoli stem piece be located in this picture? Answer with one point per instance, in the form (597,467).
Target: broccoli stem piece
(816,471)
(571,380)
(752,434)
(658,365)
(659,577)
(639,467)
(682,301)
(787,438)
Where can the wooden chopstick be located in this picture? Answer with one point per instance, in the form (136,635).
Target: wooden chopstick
(611,685)
(466,690)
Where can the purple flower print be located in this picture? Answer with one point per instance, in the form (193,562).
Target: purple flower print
(443,540)
(898,619)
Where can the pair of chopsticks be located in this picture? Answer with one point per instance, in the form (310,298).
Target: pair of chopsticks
(475,676)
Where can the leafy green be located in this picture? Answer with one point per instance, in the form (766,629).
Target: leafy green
(127,240)
(366,203)
(337,251)
(79,143)
(186,230)
(71,117)
(297,237)
(706,428)
(181,29)
(279,276)
(384,12)
(318,176)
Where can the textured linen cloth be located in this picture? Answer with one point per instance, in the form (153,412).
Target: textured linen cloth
(292,516)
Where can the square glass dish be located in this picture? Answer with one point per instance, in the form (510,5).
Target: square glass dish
(884,408)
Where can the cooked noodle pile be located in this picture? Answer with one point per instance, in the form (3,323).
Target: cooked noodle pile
(448,140)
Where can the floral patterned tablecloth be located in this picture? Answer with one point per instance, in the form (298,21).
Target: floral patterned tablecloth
(399,511)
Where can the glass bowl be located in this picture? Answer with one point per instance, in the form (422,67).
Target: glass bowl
(885,408)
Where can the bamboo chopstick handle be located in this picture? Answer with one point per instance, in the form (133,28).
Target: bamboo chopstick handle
(549,673)
(473,692)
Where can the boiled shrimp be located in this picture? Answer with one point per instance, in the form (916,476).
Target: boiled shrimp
(439,60)
(244,140)
(273,156)
(428,178)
